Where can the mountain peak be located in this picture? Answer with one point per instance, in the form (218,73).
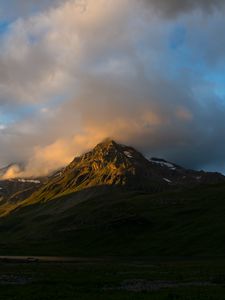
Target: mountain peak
(113,164)
(107,143)
(116,154)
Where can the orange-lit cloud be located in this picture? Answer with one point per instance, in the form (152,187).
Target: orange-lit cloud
(46,159)
(12,172)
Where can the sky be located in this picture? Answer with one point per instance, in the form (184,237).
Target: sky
(148,73)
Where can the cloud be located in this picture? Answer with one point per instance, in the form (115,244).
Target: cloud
(80,71)
(13,9)
(173,8)
(12,172)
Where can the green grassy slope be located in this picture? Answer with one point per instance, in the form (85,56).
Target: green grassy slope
(110,221)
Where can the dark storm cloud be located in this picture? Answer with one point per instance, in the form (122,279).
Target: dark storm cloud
(171,8)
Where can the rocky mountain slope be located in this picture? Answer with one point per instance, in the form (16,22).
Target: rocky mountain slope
(108,164)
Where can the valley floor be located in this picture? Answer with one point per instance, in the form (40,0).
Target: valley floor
(112,278)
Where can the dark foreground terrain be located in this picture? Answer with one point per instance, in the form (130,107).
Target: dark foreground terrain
(103,279)
(187,223)
(142,229)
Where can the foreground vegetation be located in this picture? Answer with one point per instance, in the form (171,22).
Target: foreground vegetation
(114,279)
(162,246)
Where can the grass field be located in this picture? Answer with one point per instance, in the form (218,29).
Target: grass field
(109,279)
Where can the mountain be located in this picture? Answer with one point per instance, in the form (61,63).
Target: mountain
(108,164)
(114,201)
(113,164)
(13,190)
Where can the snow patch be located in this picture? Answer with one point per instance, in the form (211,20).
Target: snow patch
(58,174)
(167,180)
(128,154)
(29,181)
(163,164)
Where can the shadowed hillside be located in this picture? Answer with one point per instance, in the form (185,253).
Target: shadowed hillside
(114,201)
